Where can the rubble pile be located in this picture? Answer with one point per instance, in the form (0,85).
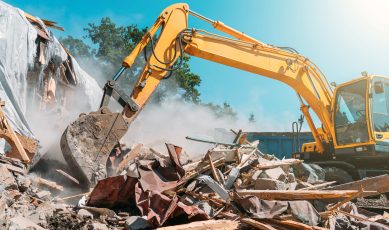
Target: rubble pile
(230,187)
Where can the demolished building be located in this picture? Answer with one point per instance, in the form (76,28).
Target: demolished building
(232,186)
(38,75)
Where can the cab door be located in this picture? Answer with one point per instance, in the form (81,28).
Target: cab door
(380,113)
(351,123)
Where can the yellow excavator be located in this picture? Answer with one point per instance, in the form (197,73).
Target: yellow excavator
(354,116)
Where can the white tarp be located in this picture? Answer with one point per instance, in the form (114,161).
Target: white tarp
(18,56)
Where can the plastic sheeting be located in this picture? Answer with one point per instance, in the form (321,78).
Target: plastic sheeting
(18,52)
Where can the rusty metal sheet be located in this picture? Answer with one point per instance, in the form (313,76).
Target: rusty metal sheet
(154,175)
(112,192)
(150,180)
(174,153)
(159,208)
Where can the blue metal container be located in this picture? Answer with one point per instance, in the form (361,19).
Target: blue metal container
(279,143)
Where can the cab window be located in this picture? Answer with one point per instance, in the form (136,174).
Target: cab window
(380,106)
(350,114)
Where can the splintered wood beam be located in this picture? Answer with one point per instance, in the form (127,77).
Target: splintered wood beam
(275,164)
(213,169)
(66,175)
(47,183)
(192,175)
(299,194)
(8,132)
(380,184)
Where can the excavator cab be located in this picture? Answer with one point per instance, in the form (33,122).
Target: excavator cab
(361,116)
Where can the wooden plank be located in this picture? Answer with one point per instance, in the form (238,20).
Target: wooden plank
(290,224)
(298,194)
(190,176)
(46,22)
(275,164)
(213,169)
(66,175)
(47,183)
(336,206)
(130,156)
(380,184)
(205,225)
(257,224)
(74,196)
(9,132)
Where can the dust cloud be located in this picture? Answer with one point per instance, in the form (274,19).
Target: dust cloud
(173,120)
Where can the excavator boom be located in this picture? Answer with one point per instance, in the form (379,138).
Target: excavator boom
(87,142)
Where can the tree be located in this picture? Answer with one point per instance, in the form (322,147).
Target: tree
(115,42)
(112,43)
(76,46)
(224,110)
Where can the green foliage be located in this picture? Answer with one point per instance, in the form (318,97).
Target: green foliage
(113,42)
(76,46)
(224,110)
(188,81)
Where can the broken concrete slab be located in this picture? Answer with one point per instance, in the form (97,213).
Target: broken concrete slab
(274,173)
(269,184)
(7,180)
(21,223)
(310,173)
(43,194)
(85,213)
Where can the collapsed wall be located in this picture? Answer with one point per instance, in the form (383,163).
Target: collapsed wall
(40,81)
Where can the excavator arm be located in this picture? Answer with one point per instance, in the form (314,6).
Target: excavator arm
(241,51)
(175,38)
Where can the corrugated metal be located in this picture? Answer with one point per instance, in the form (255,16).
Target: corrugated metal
(278,143)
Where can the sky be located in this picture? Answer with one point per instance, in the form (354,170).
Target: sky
(343,38)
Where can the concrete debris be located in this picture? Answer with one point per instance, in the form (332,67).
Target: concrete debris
(85,213)
(149,189)
(20,223)
(136,223)
(269,184)
(310,173)
(7,180)
(274,174)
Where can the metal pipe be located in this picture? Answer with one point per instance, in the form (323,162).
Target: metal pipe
(117,75)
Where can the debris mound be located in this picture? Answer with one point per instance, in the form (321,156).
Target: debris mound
(233,186)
